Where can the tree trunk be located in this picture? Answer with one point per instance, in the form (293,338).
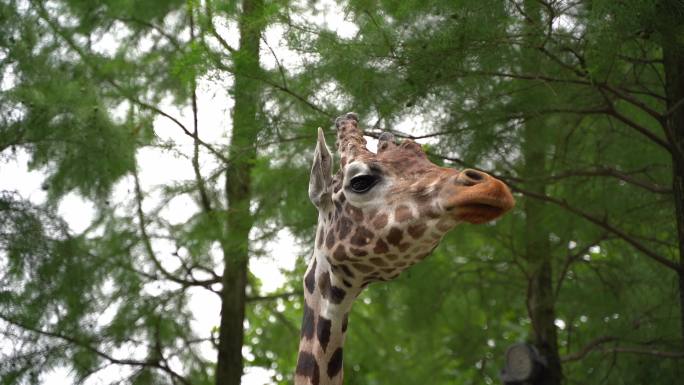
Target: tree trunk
(238,194)
(673,61)
(540,297)
(540,293)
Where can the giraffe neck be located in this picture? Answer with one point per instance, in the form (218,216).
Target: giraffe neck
(327,302)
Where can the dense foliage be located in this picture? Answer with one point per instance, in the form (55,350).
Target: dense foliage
(577,105)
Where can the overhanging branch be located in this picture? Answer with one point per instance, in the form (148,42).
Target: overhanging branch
(603,224)
(598,344)
(86,345)
(147,244)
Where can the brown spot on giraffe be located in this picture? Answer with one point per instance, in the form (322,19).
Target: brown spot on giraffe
(308,367)
(310,280)
(347,271)
(345,322)
(380,247)
(335,363)
(394,236)
(402,214)
(324,284)
(323,326)
(330,239)
(380,221)
(362,236)
(308,322)
(344,227)
(337,294)
(354,212)
(416,231)
(340,253)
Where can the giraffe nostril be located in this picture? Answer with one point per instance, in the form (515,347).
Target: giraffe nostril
(474,176)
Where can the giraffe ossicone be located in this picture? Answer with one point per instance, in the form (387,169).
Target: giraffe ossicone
(378,215)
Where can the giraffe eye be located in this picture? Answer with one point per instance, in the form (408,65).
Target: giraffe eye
(363,183)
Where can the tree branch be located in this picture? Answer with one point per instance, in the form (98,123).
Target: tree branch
(571,258)
(210,24)
(149,25)
(582,73)
(598,342)
(645,351)
(147,244)
(611,112)
(57,29)
(603,224)
(612,172)
(271,83)
(635,102)
(274,296)
(599,222)
(587,349)
(204,198)
(679,104)
(86,345)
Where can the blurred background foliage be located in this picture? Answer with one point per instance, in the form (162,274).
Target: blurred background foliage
(577,105)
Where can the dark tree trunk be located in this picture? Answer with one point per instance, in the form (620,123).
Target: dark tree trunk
(540,293)
(673,61)
(238,194)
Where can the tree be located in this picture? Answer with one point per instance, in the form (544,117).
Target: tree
(671,31)
(587,76)
(577,105)
(238,195)
(83,108)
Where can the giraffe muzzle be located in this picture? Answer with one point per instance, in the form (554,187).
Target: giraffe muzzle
(477,197)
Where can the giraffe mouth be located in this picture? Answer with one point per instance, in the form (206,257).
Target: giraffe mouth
(480,207)
(481,202)
(479,212)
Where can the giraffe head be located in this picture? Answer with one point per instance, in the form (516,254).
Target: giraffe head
(383,212)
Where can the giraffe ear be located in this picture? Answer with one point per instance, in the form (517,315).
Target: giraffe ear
(321,174)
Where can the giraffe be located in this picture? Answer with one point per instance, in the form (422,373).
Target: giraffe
(381,213)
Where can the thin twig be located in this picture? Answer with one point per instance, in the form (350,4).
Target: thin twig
(603,224)
(57,29)
(271,297)
(147,244)
(204,197)
(88,346)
